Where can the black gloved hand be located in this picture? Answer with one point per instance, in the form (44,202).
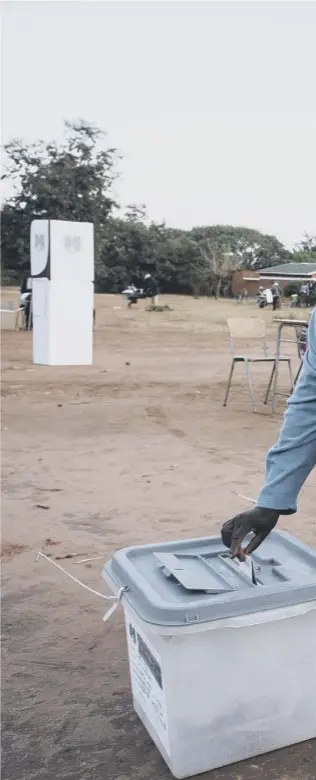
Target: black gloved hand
(259,520)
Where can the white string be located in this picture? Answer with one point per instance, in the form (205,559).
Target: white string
(95,558)
(114,606)
(96,592)
(245,498)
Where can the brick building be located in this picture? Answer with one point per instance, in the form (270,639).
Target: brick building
(245,279)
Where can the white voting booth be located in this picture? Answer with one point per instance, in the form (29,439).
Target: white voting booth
(62,271)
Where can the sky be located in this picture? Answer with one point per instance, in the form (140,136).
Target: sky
(212,104)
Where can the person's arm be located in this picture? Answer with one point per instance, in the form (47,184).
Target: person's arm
(290,461)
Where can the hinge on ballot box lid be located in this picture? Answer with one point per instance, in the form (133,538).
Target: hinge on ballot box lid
(201,573)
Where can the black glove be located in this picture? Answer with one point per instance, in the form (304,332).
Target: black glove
(259,520)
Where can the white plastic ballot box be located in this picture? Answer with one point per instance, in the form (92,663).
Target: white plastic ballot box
(222,668)
(62,271)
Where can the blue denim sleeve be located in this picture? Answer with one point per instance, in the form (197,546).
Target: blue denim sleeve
(291,460)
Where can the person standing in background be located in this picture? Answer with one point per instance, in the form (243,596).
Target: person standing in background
(304,293)
(276,296)
(26,302)
(151,289)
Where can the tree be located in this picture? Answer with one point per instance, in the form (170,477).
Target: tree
(221,265)
(308,244)
(180,266)
(135,213)
(125,254)
(15,239)
(72,181)
(305,251)
(249,248)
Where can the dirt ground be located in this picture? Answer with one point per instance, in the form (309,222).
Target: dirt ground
(135,449)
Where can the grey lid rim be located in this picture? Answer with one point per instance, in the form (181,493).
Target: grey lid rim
(152,609)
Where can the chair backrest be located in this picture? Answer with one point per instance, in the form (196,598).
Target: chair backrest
(247,328)
(7,319)
(7,306)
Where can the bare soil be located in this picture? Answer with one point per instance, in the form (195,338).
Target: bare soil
(135,449)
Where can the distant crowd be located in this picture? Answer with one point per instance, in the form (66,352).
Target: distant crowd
(305,295)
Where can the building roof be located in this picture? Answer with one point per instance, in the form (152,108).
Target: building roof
(289,271)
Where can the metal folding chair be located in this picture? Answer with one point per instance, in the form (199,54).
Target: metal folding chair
(9,315)
(301,337)
(299,326)
(19,318)
(246,329)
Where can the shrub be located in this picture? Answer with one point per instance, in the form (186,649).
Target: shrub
(290,289)
(159,308)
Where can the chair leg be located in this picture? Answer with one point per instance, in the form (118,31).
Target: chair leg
(298,373)
(276,365)
(19,322)
(291,374)
(229,382)
(252,395)
(269,385)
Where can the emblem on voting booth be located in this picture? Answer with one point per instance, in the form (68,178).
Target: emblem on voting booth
(72,243)
(40,249)
(39,242)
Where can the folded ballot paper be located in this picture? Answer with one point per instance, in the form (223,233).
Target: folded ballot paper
(246,567)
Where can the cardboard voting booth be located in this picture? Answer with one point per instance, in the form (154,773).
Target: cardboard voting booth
(62,271)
